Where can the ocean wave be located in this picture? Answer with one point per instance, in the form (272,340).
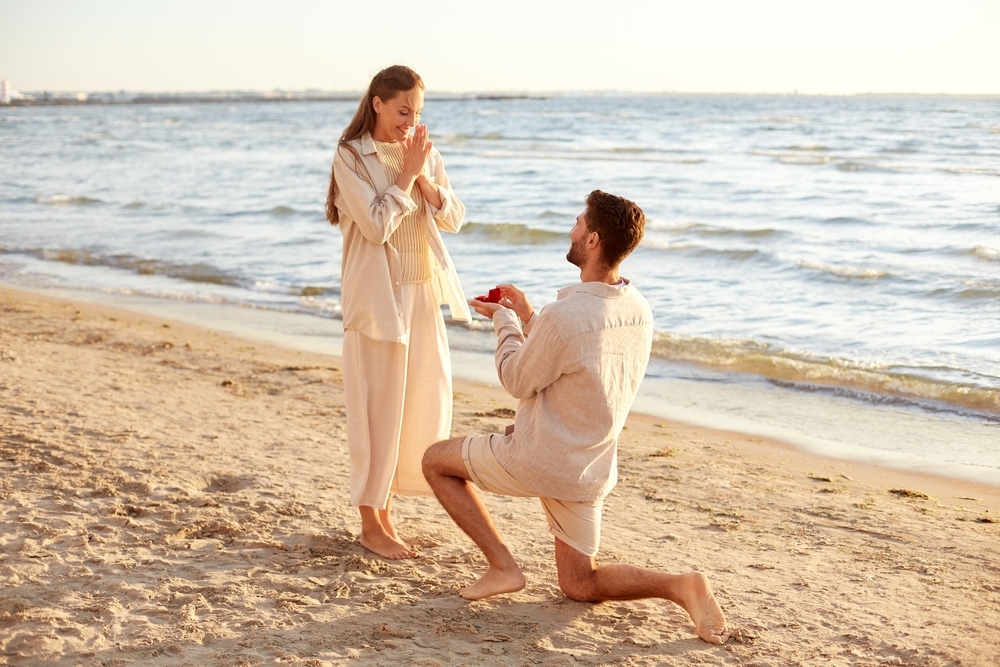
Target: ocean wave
(850,165)
(796,155)
(657,244)
(782,119)
(475,325)
(198,272)
(282,211)
(701,229)
(313,290)
(846,220)
(512,233)
(813,158)
(735,254)
(816,147)
(971,170)
(989,254)
(66,200)
(970,290)
(748,356)
(134,205)
(588,155)
(808,160)
(980,291)
(673,227)
(729,232)
(192,233)
(462,137)
(844,271)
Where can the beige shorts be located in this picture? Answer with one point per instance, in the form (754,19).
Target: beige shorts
(578,524)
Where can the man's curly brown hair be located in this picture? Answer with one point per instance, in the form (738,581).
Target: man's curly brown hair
(619,222)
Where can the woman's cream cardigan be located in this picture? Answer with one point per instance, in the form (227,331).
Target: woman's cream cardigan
(371,274)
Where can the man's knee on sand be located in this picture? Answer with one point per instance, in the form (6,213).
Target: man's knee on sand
(442,457)
(577,574)
(431,460)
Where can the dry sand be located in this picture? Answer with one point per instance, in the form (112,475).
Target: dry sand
(175,497)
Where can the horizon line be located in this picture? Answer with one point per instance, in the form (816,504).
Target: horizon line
(487,92)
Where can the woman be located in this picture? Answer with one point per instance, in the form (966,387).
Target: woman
(391,197)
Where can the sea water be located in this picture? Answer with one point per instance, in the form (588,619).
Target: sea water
(825,270)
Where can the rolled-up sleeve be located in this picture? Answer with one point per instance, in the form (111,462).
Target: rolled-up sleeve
(376,217)
(450,216)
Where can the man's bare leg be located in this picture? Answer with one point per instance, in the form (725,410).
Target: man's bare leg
(582,579)
(446,473)
(377,539)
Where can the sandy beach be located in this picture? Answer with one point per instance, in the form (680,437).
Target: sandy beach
(172,496)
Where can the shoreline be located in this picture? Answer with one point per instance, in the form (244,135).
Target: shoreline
(327,336)
(471,379)
(175,496)
(851,428)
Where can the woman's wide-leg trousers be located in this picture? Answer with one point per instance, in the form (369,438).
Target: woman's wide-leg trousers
(399,398)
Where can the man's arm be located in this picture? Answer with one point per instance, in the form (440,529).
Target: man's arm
(526,366)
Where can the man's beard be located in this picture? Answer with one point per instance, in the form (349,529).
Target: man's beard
(576,255)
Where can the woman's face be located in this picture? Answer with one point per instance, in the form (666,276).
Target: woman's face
(397,116)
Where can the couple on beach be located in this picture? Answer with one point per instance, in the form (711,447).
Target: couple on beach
(575,365)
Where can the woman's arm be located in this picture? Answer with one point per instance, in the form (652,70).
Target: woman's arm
(447,209)
(377,216)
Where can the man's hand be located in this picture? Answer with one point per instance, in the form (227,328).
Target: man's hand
(485,308)
(516,300)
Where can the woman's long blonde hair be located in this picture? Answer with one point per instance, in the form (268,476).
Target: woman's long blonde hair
(385,85)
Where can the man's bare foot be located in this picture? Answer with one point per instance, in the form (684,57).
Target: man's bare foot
(494,582)
(382,544)
(698,601)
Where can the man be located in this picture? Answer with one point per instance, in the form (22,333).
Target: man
(576,367)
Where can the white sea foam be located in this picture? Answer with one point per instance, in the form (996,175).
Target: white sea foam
(990,254)
(844,271)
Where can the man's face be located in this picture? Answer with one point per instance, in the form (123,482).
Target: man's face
(577,254)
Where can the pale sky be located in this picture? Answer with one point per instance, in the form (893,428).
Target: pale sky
(739,46)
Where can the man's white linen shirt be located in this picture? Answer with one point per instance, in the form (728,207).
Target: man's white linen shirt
(576,376)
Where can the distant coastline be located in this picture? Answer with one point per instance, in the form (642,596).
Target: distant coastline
(229,97)
(46,98)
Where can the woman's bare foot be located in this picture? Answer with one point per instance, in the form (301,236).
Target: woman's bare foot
(383,517)
(378,535)
(698,601)
(494,582)
(381,543)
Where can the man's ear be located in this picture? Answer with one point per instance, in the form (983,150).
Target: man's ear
(593,239)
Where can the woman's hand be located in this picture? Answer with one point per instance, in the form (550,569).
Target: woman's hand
(513,298)
(428,188)
(416,148)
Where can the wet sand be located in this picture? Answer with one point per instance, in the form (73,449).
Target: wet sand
(172,496)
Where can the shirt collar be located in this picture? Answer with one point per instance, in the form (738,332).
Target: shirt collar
(597,289)
(367,144)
